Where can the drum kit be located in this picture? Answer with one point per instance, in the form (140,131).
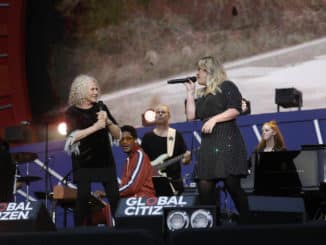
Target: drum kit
(23,158)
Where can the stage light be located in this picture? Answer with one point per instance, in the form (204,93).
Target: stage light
(196,217)
(148,117)
(62,128)
(177,220)
(201,218)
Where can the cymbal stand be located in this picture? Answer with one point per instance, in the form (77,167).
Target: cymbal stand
(46,163)
(15,184)
(27,182)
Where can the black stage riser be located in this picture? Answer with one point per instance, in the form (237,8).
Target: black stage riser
(25,217)
(276,210)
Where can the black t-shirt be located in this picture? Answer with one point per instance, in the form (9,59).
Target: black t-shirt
(95,149)
(155,146)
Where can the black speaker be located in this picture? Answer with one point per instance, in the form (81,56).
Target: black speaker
(24,217)
(276,210)
(17,134)
(288,97)
(147,213)
(309,165)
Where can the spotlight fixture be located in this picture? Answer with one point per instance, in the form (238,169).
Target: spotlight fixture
(196,217)
(148,117)
(202,218)
(177,220)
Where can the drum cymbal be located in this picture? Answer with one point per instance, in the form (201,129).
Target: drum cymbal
(23,157)
(28,179)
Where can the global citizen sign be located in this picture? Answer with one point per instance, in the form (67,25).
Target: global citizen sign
(140,206)
(16,211)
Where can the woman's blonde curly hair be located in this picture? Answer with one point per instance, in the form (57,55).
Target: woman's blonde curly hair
(215,75)
(78,89)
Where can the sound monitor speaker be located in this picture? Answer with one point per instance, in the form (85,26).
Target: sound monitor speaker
(276,210)
(24,217)
(288,97)
(195,217)
(147,213)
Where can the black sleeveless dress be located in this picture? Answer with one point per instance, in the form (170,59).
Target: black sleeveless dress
(223,152)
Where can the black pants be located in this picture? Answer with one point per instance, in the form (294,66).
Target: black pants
(208,195)
(84,178)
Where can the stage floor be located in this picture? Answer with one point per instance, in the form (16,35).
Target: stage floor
(235,234)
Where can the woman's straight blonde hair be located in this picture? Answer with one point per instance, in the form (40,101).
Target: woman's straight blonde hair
(215,75)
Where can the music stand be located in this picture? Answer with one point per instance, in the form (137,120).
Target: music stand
(162,186)
(313,147)
(276,174)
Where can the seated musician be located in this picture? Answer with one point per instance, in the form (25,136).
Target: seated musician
(136,179)
(272,139)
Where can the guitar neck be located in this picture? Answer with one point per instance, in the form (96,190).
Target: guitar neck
(171,161)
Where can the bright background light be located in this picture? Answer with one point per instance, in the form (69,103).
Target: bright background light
(149,116)
(62,128)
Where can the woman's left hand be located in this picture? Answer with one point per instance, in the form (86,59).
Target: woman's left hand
(208,126)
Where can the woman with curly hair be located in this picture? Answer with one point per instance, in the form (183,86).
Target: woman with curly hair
(91,128)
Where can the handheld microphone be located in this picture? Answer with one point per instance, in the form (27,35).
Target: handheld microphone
(182,80)
(25,123)
(100,105)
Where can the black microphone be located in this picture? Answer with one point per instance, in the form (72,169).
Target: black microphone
(25,123)
(100,105)
(182,80)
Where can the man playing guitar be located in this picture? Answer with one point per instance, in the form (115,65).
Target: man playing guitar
(164,142)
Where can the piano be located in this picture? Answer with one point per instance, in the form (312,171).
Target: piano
(67,195)
(66,198)
(287,172)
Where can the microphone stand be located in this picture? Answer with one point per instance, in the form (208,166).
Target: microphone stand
(46,162)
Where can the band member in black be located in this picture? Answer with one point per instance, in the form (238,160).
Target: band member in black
(165,140)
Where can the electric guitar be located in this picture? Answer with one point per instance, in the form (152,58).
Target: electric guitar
(159,163)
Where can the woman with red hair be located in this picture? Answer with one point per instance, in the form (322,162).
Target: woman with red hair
(272,139)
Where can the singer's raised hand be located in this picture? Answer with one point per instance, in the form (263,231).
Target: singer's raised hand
(100,124)
(102,115)
(190,87)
